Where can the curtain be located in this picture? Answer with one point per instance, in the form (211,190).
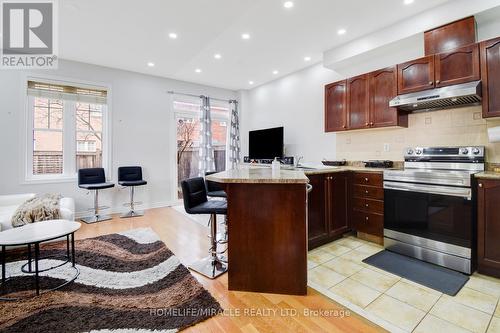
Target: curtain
(234,136)
(207,158)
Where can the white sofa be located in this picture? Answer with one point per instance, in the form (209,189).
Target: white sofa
(9,204)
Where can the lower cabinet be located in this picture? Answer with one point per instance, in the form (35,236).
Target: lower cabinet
(488,227)
(328,209)
(368,204)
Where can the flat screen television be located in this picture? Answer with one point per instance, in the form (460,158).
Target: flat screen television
(266,143)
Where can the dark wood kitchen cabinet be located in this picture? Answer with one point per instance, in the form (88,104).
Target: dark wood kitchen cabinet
(358,102)
(335,106)
(490,76)
(457,66)
(328,210)
(488,227)
(416,75)
(450,36)
(368,204)
(383,88)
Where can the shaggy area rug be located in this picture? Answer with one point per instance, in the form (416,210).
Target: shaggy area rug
(128,282)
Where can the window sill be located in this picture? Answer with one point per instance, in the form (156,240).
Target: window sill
(50,180)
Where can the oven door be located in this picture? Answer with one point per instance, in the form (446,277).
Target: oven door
(442,214)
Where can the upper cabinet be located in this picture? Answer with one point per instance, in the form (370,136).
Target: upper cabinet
(450,36)
(490,75)
(416,75)
(335,107)
(363,102)
(358,102)
(457,66)
(383,88)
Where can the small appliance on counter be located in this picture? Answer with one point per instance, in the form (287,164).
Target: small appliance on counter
(379,164)
(334,163)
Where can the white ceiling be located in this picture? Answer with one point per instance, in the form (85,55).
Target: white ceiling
(127,34)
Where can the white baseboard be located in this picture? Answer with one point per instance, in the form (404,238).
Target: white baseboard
(121,209)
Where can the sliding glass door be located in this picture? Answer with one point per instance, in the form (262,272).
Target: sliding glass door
(188,133)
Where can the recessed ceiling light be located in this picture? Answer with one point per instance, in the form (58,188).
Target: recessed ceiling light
(250,82)
(307,58)
(197,70)
(288,4)
(407,2)
(245,36)
(341,31)
(217,56)
(151,64)
(275,72)
(172,35)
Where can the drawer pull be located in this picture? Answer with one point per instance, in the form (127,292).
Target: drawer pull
(366,205)
(366,180)
(366,218)
(366,191)
(480,185)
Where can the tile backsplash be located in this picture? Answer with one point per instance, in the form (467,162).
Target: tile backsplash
(454,127)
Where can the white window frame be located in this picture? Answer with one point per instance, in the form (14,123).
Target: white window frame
(173,137)
(69,173)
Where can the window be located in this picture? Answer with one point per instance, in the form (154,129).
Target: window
(66,129)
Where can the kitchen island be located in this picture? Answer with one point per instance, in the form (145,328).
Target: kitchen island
(267,229)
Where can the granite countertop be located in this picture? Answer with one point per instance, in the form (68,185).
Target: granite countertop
(488,175)
(345,168)
(248,173)
(259,175)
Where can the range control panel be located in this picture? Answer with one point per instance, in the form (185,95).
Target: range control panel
(445,153)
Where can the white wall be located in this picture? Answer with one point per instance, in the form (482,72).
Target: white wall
(141,123)
(295,102)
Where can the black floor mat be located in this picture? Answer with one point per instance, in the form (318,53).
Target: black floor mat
(436,277)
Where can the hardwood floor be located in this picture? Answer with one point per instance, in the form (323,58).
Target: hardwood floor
(189,242)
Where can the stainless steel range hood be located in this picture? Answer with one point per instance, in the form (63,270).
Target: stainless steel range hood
(441,98)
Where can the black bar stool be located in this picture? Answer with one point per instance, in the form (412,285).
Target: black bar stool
(196,202)
(131,176)
(214,189)
(94,179)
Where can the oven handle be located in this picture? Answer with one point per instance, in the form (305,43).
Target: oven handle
(431,189)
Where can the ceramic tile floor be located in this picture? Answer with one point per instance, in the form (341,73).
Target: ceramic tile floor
(336,270)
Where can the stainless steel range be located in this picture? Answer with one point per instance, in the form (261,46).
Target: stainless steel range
(429,207)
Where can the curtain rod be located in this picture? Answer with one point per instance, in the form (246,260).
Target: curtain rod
(213,98)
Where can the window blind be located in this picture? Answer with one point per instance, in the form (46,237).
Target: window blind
(67,92)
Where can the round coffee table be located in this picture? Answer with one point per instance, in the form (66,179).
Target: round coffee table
(32,235)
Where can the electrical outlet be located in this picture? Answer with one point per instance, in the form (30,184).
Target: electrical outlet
(387,147)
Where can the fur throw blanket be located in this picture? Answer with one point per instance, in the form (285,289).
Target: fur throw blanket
(40,208)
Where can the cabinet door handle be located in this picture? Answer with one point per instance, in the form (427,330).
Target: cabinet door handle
(366,192)
(344,126)
(480,185)
(371,124)
(367,124)
(366,180)
(366,205)
(430,83)
(366,218)
(437,81)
